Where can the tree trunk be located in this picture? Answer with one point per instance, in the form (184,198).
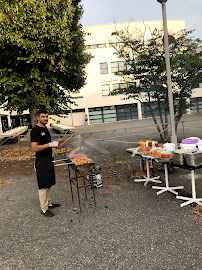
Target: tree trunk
(33,115)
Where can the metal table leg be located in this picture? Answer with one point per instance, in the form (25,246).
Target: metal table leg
(193,199)
(167,187)
(147,178)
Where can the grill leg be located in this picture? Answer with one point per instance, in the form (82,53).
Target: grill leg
(70,180)
(77,186)
(92,183)
(84,183)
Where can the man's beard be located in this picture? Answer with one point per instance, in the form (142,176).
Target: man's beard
(43,123)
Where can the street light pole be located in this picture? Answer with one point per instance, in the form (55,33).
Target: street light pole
(169,82)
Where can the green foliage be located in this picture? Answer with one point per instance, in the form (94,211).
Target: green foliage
(146,72)
(42,53)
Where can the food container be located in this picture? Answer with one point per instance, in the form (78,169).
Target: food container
(194,159)
(165,156)
(190,147)
(191,140)
(154,152)
(169,147)
(178,158)
(199,146)
(190,143)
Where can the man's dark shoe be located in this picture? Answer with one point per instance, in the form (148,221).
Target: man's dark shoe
(48,213)
(54,205)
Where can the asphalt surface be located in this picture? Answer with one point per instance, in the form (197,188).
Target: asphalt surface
(132,229)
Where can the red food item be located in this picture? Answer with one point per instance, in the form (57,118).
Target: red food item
(164,155)
(144,149)
(142,143)
(154,153)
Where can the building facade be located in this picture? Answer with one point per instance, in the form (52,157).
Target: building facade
(94,98)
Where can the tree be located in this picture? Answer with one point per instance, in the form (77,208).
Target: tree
(145,72)
(42,54)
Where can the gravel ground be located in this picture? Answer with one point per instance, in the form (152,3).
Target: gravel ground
(132,229)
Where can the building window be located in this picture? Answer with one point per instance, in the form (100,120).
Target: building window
(104,68)
(77,97)
(116,44)
(127,112)
(95,46)
(196,105)
(118,66)
(105,89)
(103,45)
(95,115)
(113,113)
(116,86)
(146,111)
(78,110)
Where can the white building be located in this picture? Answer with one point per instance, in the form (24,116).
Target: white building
(93,100)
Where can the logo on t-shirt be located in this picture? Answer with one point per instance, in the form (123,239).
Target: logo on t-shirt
(43,134)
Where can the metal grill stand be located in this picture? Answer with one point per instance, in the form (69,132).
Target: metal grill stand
(79,180)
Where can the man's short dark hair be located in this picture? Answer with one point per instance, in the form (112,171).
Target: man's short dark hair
(42,110)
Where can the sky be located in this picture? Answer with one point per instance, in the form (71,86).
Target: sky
(118,11)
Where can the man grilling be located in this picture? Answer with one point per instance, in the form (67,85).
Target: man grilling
(42,145)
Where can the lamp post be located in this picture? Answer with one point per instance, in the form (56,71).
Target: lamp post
(169,82)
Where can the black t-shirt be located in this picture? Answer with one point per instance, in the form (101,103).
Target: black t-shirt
(42,136)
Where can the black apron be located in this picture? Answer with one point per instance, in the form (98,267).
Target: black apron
(45,172)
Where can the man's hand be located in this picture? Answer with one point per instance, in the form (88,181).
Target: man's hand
(54,144)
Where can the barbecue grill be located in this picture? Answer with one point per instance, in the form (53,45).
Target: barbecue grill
(78,177)
(86,168)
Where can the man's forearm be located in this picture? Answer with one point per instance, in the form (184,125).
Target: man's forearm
(38,148)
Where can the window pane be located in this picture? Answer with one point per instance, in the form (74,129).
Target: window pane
(123,85)
(114,67)
(95,113)
(116,86)
(104,68)
(105,93)
(120,44)
(122,66)
(105,89)
(94,46)
(112,44)
(101,45)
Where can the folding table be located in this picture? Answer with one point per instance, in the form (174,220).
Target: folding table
(167,187)
(147,178)
(193,199)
